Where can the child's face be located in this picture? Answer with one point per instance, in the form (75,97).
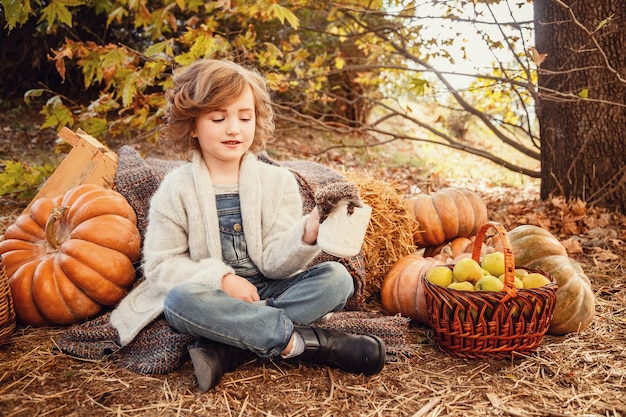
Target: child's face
(226,134)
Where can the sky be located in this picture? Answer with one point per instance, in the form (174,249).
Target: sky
(479,55)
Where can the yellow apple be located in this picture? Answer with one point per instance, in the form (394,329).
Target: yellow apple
(439,275)
(462,286)
(535,280)
(489,283)
(516,281)
(520,273)
(494,263)
(467,269)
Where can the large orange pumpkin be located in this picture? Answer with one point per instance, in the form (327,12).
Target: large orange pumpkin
(402,291)
(447,214)
(71,255)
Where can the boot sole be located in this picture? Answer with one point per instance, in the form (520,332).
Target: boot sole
(203,370)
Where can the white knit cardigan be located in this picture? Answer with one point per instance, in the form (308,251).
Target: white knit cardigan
(182,241)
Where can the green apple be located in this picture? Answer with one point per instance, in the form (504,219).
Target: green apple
(489,283)
(462,286)
(467,269)
(516,281)
(494,263)
(439,275)
(535,280)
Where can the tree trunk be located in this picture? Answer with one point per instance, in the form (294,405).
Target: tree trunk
(583,140)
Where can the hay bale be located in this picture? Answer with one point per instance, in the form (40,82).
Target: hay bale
(389,235)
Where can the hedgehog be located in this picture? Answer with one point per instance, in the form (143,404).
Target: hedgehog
(330,196)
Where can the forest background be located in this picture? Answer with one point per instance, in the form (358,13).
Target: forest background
(547,88)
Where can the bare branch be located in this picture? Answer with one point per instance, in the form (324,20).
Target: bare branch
(370,132)
(466,106)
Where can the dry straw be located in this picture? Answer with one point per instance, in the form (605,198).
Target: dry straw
(580,374)
(7,312)
(389,236)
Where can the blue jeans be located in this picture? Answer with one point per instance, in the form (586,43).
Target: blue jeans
(263,327)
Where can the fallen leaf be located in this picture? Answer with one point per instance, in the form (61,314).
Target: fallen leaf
(572,245)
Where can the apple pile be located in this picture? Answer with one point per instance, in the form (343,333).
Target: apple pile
(488,275)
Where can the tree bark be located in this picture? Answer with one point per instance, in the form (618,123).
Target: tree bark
(583,140)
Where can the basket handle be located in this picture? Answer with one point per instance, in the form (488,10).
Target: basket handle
(509,261)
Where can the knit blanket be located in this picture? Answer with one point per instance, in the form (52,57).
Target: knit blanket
(160,349)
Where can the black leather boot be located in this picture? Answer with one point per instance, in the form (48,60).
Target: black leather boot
(211,360)
(358,354)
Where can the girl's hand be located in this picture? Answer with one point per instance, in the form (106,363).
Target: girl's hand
(239,287)
(311,227)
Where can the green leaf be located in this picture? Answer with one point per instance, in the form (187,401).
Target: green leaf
(117,15)
(605,22)
(129,90)
(282,13)
(57,115)
(16,12)
(95,126)
(584,93)
(22,181)
(58,10)
(34,93)
(418,86)
(91,69)
(160,48)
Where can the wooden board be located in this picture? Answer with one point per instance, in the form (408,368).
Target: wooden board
(89,162)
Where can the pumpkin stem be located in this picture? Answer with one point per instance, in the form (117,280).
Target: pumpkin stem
(56,214)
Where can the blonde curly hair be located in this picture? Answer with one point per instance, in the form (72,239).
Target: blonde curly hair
(208,85)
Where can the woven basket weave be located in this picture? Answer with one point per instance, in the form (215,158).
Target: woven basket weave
(490,324)
(7,312)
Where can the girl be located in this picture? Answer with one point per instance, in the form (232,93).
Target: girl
(227,245)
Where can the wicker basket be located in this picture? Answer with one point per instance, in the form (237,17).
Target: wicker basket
(7,312)
(488,324)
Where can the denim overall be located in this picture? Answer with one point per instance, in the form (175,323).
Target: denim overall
(234,250)
(265,326)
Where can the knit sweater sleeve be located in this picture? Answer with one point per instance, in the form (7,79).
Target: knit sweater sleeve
(283,227)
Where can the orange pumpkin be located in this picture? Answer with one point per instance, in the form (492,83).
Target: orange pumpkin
(402,290)
(447,214)
(451,249)
(71,255)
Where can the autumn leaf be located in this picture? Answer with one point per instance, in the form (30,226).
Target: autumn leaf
(605,22)
(339,62)
(603,255)
(58,10)
(282,14)
(579,208)
(569,226)
(536,57)
(572,245)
